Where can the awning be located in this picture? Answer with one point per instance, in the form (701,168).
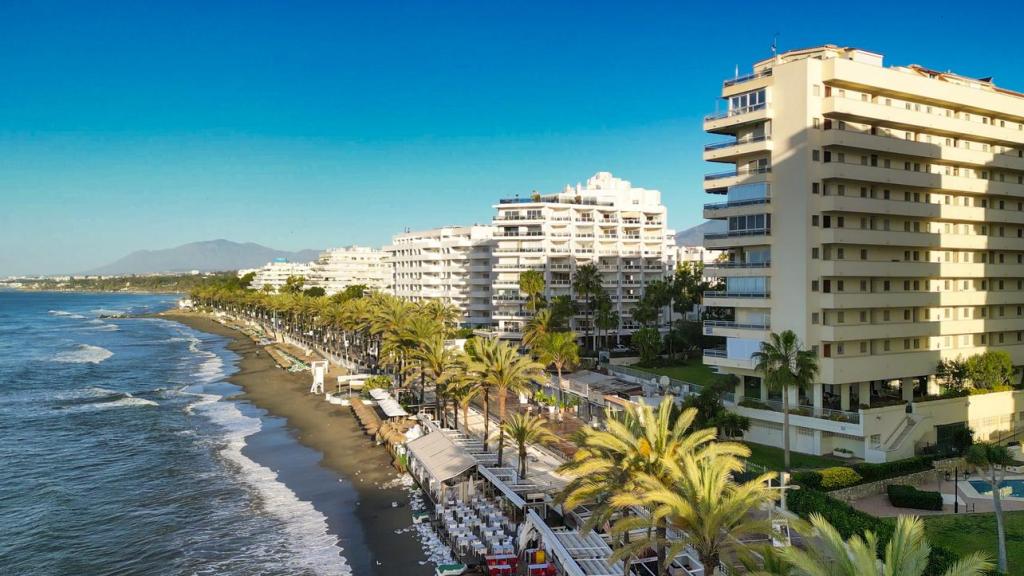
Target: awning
(442,459)
(515,499)
(391,408)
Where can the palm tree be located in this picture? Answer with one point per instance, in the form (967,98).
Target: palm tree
(610,466)
(531,283)
(558,349)
(587,284)
(462,391)
(540,324)
(906,554)
(783,365)
(500,368)
(700,500)
(993,458)
(521,430)
(605,316)
(434,361)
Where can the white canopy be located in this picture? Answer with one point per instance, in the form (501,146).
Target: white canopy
(442,459)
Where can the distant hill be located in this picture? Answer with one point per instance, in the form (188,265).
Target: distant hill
(208,256)
(695,236)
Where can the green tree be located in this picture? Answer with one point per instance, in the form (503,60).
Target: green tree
(558,349)
(293,285)
(605,316)
(246,280)
(647,342)
(953,373)
(906,554)
(784,365)
(990,369)
(536,327)
(314,292)
(521,430)
(993,458)
(563,308)
(587,284)
(531,283)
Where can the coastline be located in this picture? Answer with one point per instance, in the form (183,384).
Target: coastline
(373,547)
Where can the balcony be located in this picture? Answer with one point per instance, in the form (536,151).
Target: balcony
(726,299)
(924,210)
(727,122)
(911,178)
(737,238)
(721,210)
(751,406)
(719,357)
(719,182)
(748,78)
(730,151)
(911,148)
(729,329)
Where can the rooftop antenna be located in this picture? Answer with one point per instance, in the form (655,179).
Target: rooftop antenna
(775,45)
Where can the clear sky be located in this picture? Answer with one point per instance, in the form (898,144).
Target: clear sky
(131,125)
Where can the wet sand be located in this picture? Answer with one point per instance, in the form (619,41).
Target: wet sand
(372,547)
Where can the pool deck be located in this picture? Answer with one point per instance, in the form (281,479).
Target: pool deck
(970,501)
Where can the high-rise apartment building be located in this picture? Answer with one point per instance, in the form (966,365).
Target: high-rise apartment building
(452,264)
(607,222)
(878,212)
(339,268)
(275,273)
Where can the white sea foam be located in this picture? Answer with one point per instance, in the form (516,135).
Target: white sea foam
(66,314)
(127,401)
(315,548)
(84,354)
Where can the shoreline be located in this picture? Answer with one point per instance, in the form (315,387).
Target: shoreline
(372,547)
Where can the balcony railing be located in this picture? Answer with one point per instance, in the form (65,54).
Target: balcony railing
(734,173)
(737,203)
(741,325)
(740,265)
(803,410)
(747,78)
(715,352)
(554,200)
(730,144)
(727,294)
(736,233)
(735,112)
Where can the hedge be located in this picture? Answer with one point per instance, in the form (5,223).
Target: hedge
(910,497)
(807,478)
(849,521)
(886,470)
(838,477)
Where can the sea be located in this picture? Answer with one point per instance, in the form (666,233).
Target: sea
(123,450)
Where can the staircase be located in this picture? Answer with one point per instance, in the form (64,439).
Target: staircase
(900,443)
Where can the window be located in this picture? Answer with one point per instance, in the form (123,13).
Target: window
(816,90)
(814,188)
(863,347)
(815,155)
(814,285)
(863,254)
(814,253)
(814,317)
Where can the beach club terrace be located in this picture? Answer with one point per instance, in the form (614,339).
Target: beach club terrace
(485,512)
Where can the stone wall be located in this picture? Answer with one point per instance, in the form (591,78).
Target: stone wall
(872,488)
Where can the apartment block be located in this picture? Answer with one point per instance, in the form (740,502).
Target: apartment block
(276,273)
(878,212)
(339,268)
(452,264)
(606,221)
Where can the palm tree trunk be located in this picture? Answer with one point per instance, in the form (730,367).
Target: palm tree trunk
(522,460)
(502,397)
(997,505)
(785,427)
(558,369)
(465,417)
(662,535)
(487,419)
(423,386)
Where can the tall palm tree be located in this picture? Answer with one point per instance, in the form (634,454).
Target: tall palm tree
(639,444)
(993,458)
(501,369)
(531,283)
(784,365)
(906,554)
(560,350)
(587,284)
(521,430)
(462,391)
(605,317)
(700,500)
(434,361)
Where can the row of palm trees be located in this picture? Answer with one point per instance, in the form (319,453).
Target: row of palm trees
(660,485)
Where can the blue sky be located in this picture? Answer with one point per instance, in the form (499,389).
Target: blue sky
(131,125)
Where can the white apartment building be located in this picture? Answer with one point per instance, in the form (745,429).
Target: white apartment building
(277,272)
(339,268)
(607,222)
(697,254)
(878,212)
(452,263)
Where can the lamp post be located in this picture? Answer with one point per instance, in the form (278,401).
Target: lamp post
(956,490)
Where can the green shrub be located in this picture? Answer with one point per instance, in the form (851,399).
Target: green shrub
(849,521)
(838,477)
(884,471)
(808,479)
(910,497)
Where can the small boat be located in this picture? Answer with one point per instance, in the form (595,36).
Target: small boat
(450,569)
(420,516)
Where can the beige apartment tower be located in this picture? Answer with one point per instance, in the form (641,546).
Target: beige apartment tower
(878,212)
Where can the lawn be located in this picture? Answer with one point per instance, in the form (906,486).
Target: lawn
(694,372)
(772,458)
(966,533)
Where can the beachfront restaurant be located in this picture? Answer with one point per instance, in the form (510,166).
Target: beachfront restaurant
(388,405)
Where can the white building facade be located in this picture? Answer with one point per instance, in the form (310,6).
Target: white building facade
(607,222)
(339,268)
(452,264)
(277,272)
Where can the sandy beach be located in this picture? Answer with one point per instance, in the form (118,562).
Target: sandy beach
(372,548)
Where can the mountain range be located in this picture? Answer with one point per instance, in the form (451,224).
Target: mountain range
(207,256)
(695,236)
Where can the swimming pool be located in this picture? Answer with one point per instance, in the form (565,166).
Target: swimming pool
(985,488)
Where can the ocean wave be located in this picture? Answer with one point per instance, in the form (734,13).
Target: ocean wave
(66,314)
(97,398)
(106,328)
(84,354)
(314,547)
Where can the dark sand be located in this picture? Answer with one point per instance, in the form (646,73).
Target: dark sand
(371,547)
